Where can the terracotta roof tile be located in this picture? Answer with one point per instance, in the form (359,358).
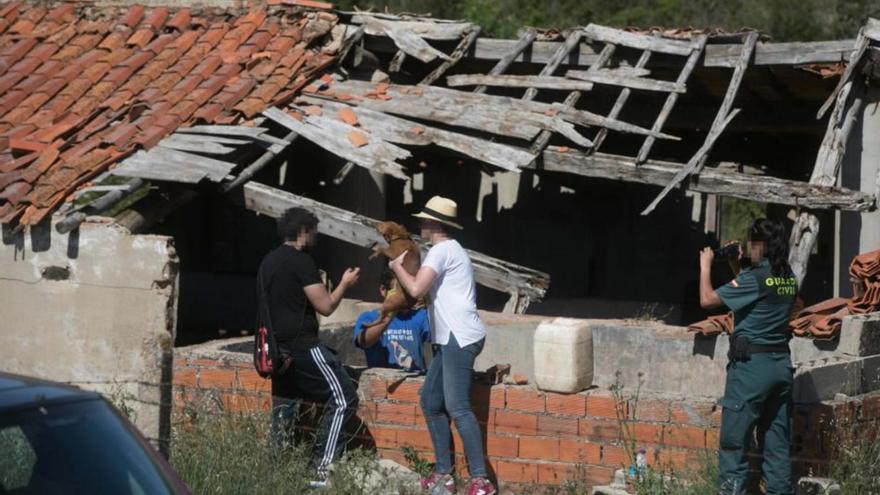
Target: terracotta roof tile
(181,20)
(140,38)
(156,18)
(133,17)
(97,82)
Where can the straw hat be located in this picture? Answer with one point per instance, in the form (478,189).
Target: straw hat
(441,210)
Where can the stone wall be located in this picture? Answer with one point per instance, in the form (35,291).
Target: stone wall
(95,308)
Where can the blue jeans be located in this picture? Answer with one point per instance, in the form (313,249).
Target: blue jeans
(446,395)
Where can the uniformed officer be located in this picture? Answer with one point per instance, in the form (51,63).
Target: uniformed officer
(758,391)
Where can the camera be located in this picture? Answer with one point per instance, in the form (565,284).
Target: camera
(729,252)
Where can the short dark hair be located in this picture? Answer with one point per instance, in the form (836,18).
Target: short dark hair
(386,279)
(295,220)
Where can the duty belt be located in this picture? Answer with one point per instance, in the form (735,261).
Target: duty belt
(741,348)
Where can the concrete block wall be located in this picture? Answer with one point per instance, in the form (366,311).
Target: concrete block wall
(94,308)
(531,437)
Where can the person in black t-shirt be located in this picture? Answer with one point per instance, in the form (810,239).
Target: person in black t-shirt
(289,280)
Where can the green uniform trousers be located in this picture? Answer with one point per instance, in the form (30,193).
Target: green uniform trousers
(757,394)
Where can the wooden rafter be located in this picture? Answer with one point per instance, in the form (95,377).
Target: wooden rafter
(523,283)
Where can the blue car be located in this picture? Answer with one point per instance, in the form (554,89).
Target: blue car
(58,439)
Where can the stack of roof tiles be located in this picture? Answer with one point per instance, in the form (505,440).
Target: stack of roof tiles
(714,325)
(822,320)
(81,87)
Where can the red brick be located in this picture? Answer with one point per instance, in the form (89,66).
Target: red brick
(685,436)
(871,407)
(646,433)
(546,449)
(525,399)
(418,439)
(713,438)
(406,391)
(390,413)
(516,472)
(484,398)
(246,403)
(579,452)
(216,378)
(209,363)
(514,422)
(604,406)
(376,388)
(184,377)
(694,414)
(570,405)
(384,437)
(614,457)
(250,381)
(555,473)
(653,410)
(499,446)
(557,425)
(395,455)
(598,429)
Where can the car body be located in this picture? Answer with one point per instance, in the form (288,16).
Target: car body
(57,439)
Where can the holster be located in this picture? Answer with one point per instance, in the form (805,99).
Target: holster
(740,348)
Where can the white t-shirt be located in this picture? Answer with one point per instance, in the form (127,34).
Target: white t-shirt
(453,298)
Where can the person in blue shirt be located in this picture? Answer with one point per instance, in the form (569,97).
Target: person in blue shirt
(395,342)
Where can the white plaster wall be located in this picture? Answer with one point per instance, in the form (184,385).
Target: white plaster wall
(95,308)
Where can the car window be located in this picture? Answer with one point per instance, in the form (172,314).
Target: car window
(76,448)
(18,459)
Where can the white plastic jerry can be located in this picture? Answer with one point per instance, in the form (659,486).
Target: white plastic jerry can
(563,355)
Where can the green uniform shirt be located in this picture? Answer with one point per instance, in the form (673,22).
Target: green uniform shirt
(761,304)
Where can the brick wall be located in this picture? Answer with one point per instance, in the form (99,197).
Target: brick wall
(531,437)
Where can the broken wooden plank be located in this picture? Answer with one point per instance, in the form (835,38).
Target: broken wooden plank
(640,41)
(625,70)
(406,40)
(379,156)
(454,57)
(241,140)
(571,42)
(138,165)
(739,71)
(525,39)
(720,55)
(570,101)
(198,147)
(490,113)
(98,206)
(712,181)
(540,82)
(375,26)
(215,170)
(787,53)
(699,42)
(396,61)
(251,170)
(360,230)
(222,130)
(402,131)
(694,163)
(855,57)
(805,231)
(627,81)
(621,100)
(496,114)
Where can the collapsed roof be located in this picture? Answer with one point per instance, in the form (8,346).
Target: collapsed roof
(208,96)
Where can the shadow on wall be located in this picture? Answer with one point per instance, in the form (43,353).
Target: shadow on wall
(41,239)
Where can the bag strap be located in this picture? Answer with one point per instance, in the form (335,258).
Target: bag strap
(264,304)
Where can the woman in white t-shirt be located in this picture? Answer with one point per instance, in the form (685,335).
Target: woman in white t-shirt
(447,279)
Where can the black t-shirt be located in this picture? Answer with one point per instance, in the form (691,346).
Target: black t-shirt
(285,272)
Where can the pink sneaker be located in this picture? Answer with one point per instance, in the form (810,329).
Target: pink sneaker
(439,484)
(480,486)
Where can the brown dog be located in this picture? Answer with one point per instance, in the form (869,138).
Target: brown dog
(399,241)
